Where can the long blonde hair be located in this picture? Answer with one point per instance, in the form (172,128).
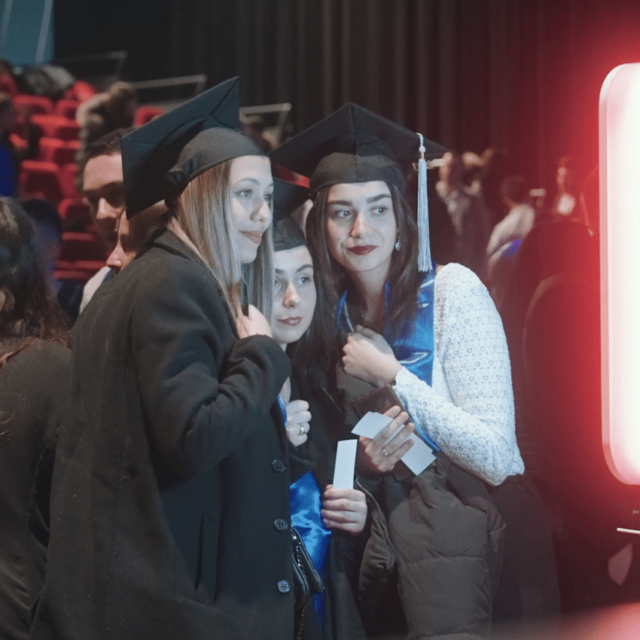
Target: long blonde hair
(201,218)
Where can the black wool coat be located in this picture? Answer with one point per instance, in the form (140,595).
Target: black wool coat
(170,506)
(33,388)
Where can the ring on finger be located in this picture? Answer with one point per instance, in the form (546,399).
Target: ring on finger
(385,453)
(302,431)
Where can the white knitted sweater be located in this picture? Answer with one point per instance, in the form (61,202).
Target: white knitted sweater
(468,411)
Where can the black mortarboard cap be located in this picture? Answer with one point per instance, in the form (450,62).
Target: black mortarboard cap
(162,157)
(354,144)
(287,198)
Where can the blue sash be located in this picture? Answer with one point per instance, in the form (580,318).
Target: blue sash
(305,499)
(414,347)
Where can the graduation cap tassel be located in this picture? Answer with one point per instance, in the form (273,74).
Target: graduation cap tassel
(424,246)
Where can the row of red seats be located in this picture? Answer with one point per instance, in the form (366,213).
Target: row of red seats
(52,176)
(40,179)
(44,105)
(82,255)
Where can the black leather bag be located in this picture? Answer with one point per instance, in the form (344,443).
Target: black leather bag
(306,579)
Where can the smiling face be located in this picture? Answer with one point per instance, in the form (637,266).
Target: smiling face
(361,228)
(294,298)
(251,195)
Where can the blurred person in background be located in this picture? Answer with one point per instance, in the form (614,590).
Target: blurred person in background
(508,233)
(102,186)
(34,367)
(567,181)
(487,184)
(467,212)
(105,112)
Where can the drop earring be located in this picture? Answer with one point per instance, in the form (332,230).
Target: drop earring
(398,245)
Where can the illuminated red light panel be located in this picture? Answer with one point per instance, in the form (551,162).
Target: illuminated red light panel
(620,269)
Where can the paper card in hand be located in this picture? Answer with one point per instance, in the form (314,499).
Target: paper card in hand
(418,458)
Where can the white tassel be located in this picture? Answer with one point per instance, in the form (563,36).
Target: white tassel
(424,246)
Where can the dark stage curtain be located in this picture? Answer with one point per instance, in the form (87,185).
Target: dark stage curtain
(523,75)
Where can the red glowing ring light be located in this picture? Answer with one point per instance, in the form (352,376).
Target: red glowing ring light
(620,269)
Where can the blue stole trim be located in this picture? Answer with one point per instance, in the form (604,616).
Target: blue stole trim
(414,347)
(305,500)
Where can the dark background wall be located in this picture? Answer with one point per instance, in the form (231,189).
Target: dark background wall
(524,75)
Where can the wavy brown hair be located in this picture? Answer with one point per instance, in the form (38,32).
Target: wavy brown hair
(29,312)
(332,279)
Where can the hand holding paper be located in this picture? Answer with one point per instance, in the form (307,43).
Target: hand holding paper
(384,441)
(344,509)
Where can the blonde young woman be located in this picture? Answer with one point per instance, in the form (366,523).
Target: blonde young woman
(170,515)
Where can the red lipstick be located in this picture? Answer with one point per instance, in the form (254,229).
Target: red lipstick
(361,250)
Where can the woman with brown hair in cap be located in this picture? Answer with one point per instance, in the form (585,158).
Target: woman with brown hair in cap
(391,318)
(170,509)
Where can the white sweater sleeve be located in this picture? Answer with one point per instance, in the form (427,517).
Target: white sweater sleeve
(472,417)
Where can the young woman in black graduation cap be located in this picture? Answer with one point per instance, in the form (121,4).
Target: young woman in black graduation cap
(432,334)
(170,511)
(327,518)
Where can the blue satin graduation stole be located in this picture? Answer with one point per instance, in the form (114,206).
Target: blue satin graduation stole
(305,499)
(414,346)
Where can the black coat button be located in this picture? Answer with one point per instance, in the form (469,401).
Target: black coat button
(283,586)
(280,524)
(278,466)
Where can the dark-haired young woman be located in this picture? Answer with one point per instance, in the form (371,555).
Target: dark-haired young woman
(34,366)
(435,337)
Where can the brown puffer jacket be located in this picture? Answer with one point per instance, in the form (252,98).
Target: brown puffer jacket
(437,538)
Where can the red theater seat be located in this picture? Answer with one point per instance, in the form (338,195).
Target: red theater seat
(80,246)
(18,142)
(72,274)
(66,153)
(57,126)
(146,113)
(74,212)
(40,179)
(90,267)
(81,91)
(8,84)
(66,108)
(48,123)
(34,104)
(47,148)
(68,181)
(67,130)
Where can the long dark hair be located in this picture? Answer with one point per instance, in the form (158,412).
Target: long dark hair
(29,313)
(332,279)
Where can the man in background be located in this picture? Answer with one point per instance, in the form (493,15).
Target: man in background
(103,188)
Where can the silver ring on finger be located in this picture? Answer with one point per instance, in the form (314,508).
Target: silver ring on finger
(385,453)
(302,431)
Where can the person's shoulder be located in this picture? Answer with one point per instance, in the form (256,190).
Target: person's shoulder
(164,261)
(43,360)
(456,276)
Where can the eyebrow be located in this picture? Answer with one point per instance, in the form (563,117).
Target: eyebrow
(252,180)
(371,200)
(104,187)
(299,269)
